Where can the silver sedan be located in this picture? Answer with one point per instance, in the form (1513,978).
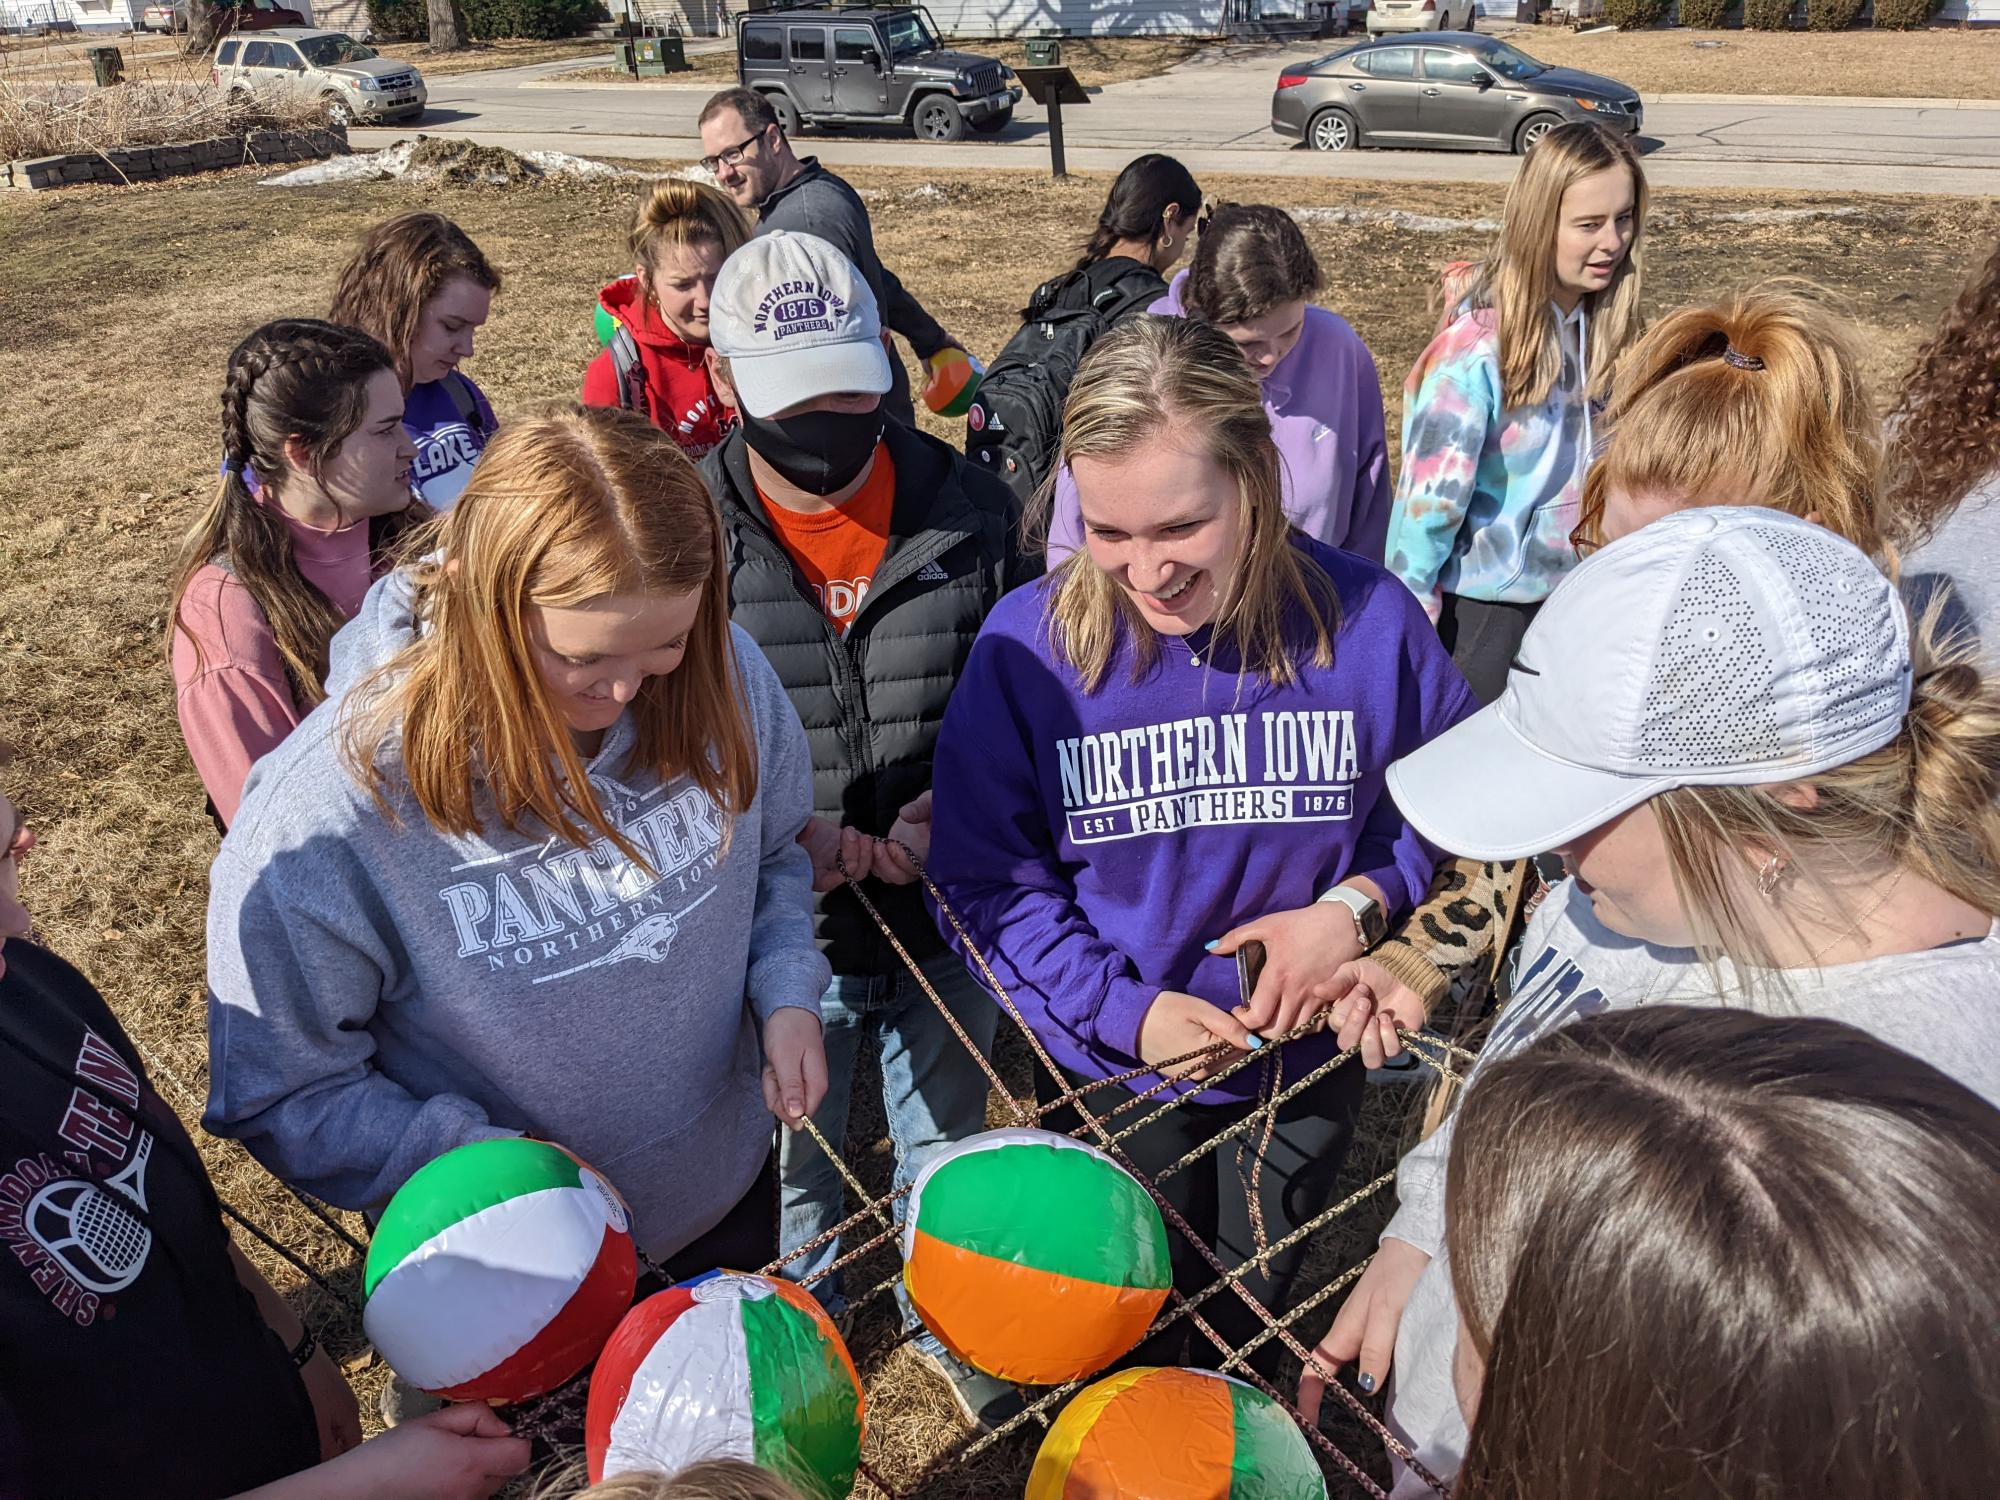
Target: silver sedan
(1454,89)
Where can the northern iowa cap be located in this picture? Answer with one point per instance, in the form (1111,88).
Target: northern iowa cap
(1719,646)
(796,322)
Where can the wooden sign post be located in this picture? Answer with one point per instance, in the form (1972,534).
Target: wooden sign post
(1054,87)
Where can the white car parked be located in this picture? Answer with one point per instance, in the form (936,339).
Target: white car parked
(355,82)
(1421,15)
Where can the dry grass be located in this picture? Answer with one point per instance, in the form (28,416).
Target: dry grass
(40,119)
(99,472)
(480,57)
(1949,64)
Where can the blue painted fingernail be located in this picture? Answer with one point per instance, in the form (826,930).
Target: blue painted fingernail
(1256,1041)
(1366,1382)
(1210,947)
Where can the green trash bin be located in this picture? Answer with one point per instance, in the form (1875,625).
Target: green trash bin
(1045,54)
(647,58)
(107,65)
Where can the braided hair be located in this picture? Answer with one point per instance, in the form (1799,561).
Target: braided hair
(294,379)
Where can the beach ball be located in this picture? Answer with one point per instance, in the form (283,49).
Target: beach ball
(1033,1257)
(1152,1434)
(603,323)
(728,1366)
(954,381)
(498,1271)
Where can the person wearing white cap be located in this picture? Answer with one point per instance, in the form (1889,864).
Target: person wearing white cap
(1767,794)
(864,556)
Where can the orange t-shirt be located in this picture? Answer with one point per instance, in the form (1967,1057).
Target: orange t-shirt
(839,549)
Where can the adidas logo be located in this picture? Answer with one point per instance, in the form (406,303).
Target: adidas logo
(933,572)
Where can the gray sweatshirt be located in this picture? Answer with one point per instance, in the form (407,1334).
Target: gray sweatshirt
(1935,1005)
(378,995)
(1960,565)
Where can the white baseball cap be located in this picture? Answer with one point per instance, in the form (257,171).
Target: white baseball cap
(796,322)
(1720,646)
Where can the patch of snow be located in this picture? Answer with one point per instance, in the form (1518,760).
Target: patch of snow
(1396,218)
(1783,215)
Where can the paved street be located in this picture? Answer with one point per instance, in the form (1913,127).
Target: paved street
(1215,116)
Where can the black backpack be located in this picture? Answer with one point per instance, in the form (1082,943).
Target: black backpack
(1012,426)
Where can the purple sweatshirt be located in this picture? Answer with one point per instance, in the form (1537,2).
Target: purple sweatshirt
(1325,405)
(1092,843)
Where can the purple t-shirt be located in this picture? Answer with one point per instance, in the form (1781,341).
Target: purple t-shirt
(1092,843)
(1325,404)
(447,441)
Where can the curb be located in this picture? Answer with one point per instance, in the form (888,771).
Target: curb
(1819,101)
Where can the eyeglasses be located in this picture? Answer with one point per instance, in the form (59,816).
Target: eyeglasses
(730,156)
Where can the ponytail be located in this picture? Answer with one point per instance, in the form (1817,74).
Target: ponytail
(295,379)
(1133,210)
(1951,746)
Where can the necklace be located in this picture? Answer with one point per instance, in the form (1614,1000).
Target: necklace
(1858,923)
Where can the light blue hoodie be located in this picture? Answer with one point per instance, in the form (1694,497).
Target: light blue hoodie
(379,994)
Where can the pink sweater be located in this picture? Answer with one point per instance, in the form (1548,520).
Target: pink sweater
(231,693)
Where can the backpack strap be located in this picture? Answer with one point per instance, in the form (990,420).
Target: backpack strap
(631,370)
(459,388)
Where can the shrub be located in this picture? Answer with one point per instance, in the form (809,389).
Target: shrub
(488,20)
(1705,15)
(1767,15)
(1905,15)
(1635,15)
(1832,15)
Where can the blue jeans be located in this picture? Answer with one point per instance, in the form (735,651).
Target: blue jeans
(933,1091)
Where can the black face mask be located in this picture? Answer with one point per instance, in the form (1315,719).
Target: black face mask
(819,451)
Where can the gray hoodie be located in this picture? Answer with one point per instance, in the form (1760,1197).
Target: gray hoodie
(381,994)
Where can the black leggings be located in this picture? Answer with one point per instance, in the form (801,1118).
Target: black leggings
(1482,637)
(1301,1169)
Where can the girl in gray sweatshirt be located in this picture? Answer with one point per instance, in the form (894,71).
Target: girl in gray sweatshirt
(537,870)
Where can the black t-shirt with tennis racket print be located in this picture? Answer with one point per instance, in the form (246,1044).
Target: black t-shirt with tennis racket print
(132,1361)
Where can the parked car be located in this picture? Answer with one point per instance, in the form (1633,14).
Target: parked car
(244,15)
(355,83)
(160,18)
(823,65)
(1455,89)
(1420,15)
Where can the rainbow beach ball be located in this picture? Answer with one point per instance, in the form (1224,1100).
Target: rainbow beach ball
(1033,1257)
(498,1271)
(728,1366)
(1153,1434)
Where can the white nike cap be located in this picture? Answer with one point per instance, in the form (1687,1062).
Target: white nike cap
(1720,646)
(796,321)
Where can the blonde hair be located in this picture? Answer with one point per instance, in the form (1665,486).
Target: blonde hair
(1153,378)
(1759,396)
(675,213)
(1924,802)
(717,1479)
(563,508)
(1518,281)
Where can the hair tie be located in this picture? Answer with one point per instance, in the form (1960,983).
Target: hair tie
(1737,359)
(233,466)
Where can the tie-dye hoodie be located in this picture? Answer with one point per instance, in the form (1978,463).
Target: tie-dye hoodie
(1488,494)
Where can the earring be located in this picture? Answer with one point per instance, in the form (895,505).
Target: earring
(1768,877)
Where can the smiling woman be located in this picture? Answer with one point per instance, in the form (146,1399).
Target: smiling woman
(1166,760)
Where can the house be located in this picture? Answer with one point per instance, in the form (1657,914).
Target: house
(83,15)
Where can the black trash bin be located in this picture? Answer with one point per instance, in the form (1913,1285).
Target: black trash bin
(1527,12)
(106,65)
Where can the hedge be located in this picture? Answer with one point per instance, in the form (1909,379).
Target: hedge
(1832,15)
(1905,15)
(1767,15)
(1635,15)
(1706,15)
(409,20)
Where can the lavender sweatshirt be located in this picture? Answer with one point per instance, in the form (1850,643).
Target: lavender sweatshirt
(1325,404)
(1093,842)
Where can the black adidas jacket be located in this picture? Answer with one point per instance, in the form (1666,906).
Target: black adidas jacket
(873,700)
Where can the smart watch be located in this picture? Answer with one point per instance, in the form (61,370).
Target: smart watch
(1368,916)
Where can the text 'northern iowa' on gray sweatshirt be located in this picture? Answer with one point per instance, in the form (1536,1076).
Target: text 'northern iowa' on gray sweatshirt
(380,994)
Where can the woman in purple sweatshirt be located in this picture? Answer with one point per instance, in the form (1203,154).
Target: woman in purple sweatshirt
(1254,277)
(1173,745)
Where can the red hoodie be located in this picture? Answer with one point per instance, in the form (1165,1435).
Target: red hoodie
(678,394)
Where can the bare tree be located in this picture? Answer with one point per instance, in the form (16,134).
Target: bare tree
(448,33)
(198,16)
